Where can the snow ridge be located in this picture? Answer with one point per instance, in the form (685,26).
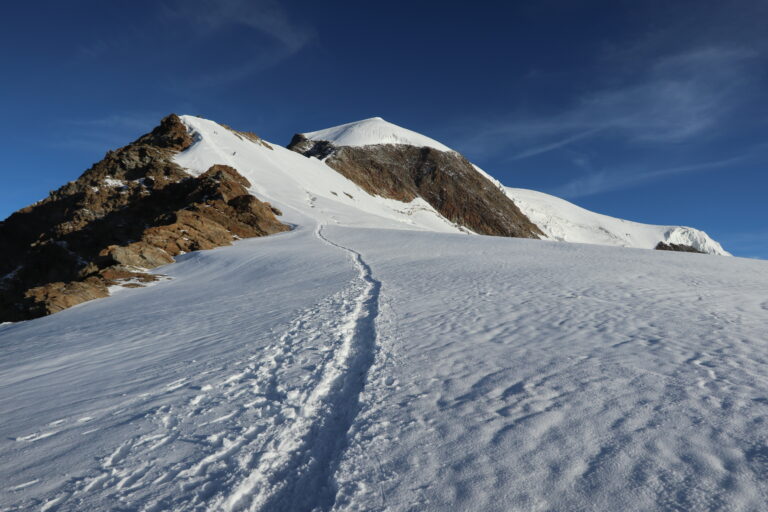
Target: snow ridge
(564,221)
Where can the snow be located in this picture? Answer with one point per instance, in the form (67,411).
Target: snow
(297,184)
(392,369)
(376,358)
(371,132)
(176,379)
(564,221)
(531,376)
(112,182)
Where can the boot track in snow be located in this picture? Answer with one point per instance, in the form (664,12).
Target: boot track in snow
(301,477)
(269,430)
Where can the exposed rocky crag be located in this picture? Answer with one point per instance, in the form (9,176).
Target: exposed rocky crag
(134,210)
(662,246)
(446,180)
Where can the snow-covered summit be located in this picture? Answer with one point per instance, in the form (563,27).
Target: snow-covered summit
(373,131)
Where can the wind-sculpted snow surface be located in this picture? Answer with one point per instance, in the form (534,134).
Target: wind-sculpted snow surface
(473,373)
(531,376)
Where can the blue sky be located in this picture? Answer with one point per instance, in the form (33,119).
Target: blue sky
(654,111)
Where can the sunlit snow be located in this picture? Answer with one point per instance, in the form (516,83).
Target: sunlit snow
(371,132)
(377,358)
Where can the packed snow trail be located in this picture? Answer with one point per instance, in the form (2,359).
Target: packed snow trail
(244,434)
(298,474)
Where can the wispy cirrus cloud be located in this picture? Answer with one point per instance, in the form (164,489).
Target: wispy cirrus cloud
(279,37)
(679,97)
(537,150)
(266,16)
(182,35)
(599,182)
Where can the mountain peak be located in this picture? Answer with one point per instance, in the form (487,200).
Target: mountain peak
(373,131)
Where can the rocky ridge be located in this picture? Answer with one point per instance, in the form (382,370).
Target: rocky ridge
(445,179)
(134,210)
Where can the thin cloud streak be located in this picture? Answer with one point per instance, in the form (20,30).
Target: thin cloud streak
(680,97)
(265,17)
(601,182)
(555,145)
(181,29)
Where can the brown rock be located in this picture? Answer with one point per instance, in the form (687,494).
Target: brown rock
(171,134)
(662,246)
(139,255)
(135,209)
(54,297)
(446,180)
(249,136)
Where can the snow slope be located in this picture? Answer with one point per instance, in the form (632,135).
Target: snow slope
(566,222)
(563,221)
(373,131)
(334,368)
(366,361)
(288,180)
(559,219)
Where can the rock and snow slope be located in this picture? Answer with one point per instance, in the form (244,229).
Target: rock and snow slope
(289,180)
(374,173)
(563,221)
(558,219)
(340,367)
(404,172)
(566,222)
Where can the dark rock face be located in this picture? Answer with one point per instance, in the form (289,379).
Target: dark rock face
(170,134)
(447,181)
(135,209)
(662,246)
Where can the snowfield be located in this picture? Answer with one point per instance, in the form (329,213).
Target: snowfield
(431,372)
(377,358)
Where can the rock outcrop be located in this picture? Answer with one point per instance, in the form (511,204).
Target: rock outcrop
(446,180)
(134,210)
(662,246)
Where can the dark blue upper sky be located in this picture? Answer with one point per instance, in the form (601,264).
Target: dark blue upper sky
(654,111)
